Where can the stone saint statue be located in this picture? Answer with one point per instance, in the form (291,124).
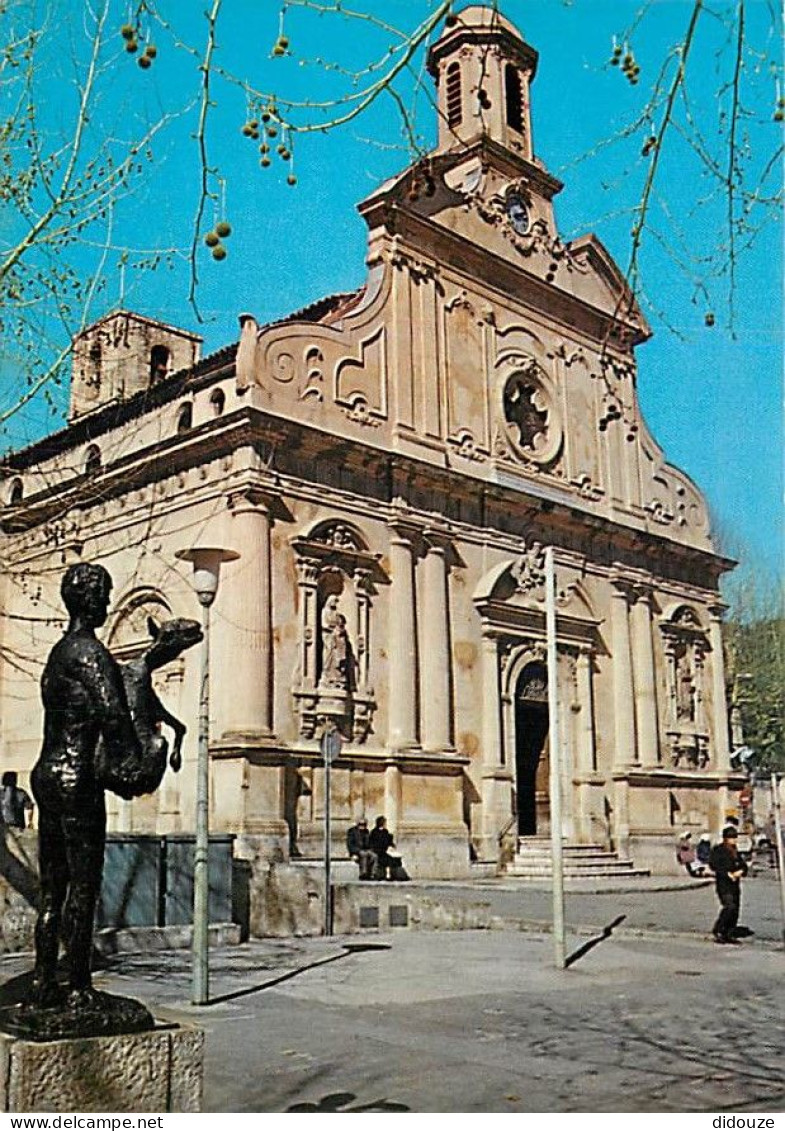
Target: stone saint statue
(337,656)
(85,703)
(685,701)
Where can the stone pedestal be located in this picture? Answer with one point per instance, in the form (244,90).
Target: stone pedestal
(157,1071)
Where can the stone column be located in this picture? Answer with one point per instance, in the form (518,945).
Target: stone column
(362,626)
(625,752)
(496,778)
(245,608)
(492,752)
(720,718)
(645,685)
(402,651)
(436,682)
(307,583)
(586,752)
(392,797)
(621,805)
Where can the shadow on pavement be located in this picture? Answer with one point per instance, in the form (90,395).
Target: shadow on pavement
(348,950)
(591,943)
(339,1101)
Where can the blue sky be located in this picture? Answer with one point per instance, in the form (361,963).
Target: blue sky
(711,397)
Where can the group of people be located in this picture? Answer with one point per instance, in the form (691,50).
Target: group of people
(728,866)
(375,851)
(695,859)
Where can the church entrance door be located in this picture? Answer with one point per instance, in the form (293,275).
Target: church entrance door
(531,757)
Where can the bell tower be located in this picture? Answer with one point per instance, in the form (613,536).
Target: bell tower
(483,70)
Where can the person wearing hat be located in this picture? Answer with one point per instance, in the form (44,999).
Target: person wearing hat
(728,867)
(358,848)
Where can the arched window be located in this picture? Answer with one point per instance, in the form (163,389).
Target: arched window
(159,363)
(217,402)
(454,99)
(16,493)
(513,98)
(92,463)
(185,417)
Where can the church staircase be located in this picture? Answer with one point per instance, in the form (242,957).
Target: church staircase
(532,861)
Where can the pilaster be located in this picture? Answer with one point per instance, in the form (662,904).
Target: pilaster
(720,719)
(583,674)
(244,622)
(625,752)
(436,665)
(645,686)
(402,651)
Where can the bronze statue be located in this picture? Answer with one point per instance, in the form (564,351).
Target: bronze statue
(122,771)
(90,742)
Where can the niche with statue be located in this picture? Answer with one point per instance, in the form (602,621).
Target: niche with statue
(336,575)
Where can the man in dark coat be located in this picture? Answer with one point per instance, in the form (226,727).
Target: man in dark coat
(728,867)
(357,846)
(379,841)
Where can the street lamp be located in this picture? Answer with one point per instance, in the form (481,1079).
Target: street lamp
(206,562)
(555,759)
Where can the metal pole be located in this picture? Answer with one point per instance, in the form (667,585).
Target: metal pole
(775,801)
(555,759)
(201,850)
(328,887)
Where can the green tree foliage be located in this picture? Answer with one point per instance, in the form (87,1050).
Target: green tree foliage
(755,646)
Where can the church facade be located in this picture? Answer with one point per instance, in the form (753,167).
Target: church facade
(390,466)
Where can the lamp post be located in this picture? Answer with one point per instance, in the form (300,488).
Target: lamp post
(555,760)
(206,562)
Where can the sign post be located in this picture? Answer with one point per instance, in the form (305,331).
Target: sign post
(330,746)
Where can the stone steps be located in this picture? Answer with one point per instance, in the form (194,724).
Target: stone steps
(533,861)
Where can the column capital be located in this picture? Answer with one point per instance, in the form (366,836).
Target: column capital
(246,499)
(404,531)
(436,541)
(642,592)
(622,586)
(308,570)
(362,578)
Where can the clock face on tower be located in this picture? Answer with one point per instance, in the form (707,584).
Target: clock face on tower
(518,214)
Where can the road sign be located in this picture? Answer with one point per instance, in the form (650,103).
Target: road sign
(330,744)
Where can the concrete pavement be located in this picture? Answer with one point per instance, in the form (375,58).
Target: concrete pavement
(465,1021)
(481,1021)
(649,1019)
(683,910)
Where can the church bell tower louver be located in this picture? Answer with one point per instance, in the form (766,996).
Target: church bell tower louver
(483,70)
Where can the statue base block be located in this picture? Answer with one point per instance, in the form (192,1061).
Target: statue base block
(160,1070)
